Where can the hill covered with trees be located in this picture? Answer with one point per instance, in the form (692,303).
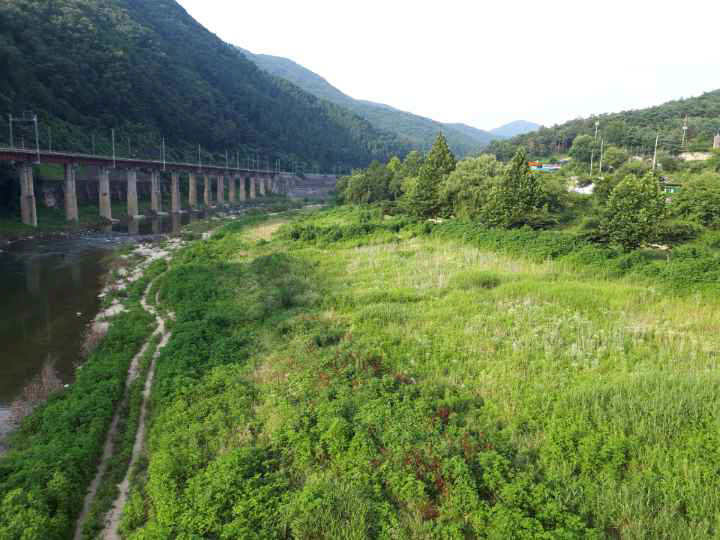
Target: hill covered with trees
(148,70)
(418,131)
(635,131)
(518,127)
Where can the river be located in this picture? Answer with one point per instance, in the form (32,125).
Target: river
(49,291)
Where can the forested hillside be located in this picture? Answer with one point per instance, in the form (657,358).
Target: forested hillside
(418,131)
(512,129)
(633,130)
(148,69)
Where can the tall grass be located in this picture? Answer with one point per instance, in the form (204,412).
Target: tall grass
(383,382)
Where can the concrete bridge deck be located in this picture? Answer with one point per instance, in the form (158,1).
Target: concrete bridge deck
(242,183)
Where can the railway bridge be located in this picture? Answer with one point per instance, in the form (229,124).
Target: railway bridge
(220,185)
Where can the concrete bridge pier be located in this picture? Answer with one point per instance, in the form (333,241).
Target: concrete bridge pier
(28,209)
(104,201)
(175,187)
(192,199)
(221,190)
(232,190)
(155,192)
(252,189)
(71,206)
(242,192)
(208,198)
(133,209)
(262,187)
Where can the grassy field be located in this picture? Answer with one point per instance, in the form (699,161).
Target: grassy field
(393,384)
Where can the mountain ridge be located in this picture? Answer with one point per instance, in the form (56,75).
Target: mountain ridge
(419,131)
(517,127)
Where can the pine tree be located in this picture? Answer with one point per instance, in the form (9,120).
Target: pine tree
(518,197)
(424,201)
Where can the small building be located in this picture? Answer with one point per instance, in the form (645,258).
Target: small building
(669,186)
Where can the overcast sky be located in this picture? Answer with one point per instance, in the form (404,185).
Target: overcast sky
(488,62)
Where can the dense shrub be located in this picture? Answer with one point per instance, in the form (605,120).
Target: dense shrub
(634,210)
(699,200)
(678,231)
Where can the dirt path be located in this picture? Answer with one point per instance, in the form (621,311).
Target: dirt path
(112,519)
(108,447)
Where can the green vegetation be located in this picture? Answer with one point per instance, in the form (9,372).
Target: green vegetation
(389,379)
(469,352)
(129,417)
(52,457)
(149,70)
(422,200)
(418,132)
(634,131)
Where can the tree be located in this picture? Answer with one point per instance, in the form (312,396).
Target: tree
(699,200)
(423,200)
(614,157)
(466,190)
(634,210)
(401,170)
(520,197)
(370,185)
(582,148)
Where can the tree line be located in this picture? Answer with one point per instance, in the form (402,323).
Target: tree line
(629,206)
(634,131)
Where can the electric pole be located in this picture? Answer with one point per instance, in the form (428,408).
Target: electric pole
(657,138)
(592,157)
(37,138)
(685,128)
(113,147)
(602,147)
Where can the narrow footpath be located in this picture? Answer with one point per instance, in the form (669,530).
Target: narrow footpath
(112,520)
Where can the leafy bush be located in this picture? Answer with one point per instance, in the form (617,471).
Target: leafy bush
(699,200)
(678,231)
(634,210)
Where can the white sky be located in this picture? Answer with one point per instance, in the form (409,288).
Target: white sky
(486,63)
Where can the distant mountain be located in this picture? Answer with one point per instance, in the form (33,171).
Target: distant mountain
(148,70)
(473,132)
(519,127)
(634,130)
(418,131)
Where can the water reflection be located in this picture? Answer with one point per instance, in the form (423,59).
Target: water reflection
(49,289)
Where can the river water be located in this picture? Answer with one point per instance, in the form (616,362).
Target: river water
(49,291)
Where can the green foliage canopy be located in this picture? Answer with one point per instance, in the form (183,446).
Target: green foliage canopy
(424,199)
(634,210)
(699,200)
